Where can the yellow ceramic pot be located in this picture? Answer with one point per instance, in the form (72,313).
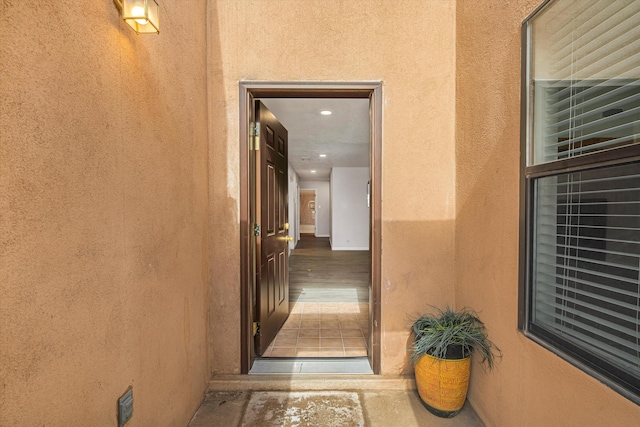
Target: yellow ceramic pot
(443,384)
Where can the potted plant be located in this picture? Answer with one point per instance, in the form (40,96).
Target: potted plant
(443,344)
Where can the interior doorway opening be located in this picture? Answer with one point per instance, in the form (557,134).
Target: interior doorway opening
(307,202)
(251,91)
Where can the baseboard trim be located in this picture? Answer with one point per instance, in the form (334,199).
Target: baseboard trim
(307,229)
(349,248)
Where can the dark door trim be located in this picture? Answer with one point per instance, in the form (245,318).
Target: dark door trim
(267,89)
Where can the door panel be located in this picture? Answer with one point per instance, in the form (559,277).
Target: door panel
(272,281)
(271,199)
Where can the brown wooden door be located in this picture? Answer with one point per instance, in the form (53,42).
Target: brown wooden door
(272,281)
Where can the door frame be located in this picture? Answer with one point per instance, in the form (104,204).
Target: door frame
(297,214)
(251,89)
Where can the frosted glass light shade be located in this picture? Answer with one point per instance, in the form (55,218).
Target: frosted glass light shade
(142,15)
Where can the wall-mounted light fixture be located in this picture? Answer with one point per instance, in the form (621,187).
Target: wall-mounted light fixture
(142,15)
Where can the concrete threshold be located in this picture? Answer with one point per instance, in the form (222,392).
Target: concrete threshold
(347,366)
(311,382)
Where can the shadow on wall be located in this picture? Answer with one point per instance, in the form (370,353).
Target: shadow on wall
(418,271)
(107,205)
(224,269)
(487,238)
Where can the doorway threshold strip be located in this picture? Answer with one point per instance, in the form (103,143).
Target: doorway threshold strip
(349,365)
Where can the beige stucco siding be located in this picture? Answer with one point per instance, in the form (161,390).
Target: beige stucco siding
(410,47)
(120,186)
(531,386)
(103,214)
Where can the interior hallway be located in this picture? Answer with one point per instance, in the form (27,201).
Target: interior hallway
(329,294)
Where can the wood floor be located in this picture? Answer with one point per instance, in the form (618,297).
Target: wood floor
(318,274)
(329,296)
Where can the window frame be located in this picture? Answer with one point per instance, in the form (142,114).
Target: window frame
(579,358)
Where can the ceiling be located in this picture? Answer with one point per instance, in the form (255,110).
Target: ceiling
(342,136)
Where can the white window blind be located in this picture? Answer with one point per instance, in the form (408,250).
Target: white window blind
(586,279)
(582,181)
(586,74)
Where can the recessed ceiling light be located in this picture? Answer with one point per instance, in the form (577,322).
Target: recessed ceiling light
(325,112)
(313,171)
(323,155)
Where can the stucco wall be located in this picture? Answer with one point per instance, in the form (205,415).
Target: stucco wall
(409,46)
(103,214)
(531,386)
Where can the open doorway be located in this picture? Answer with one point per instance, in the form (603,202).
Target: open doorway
(328,152)
(308,212)
(266,92)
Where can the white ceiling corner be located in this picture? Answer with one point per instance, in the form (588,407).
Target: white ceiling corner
(343,136)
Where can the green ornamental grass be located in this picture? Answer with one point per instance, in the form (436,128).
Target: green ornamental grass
(446,332)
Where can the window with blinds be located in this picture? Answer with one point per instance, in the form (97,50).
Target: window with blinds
(582,178)
(586,77)
(586,261)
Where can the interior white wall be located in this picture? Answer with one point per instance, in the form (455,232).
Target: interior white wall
(350,213)
(294,198)
(323,205)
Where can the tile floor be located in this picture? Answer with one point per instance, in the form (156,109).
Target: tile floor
(323,329)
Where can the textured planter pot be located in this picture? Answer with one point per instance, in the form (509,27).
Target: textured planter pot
(443,384)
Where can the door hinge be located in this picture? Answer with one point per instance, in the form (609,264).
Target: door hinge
(256,329)
(255,136)
(256,229)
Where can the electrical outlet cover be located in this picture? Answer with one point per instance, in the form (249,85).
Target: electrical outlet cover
(125,407)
